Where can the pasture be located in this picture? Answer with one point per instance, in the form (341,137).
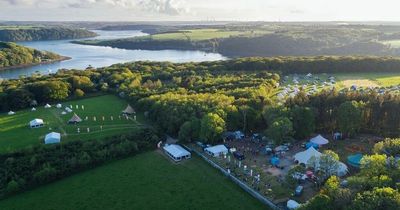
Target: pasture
(15,132)
(201,34)
(146,181)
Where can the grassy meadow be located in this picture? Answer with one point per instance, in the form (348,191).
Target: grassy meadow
(146,181)
(15,132)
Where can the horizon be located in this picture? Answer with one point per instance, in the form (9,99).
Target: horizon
(191,10)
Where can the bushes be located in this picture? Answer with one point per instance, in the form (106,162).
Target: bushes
(38,165)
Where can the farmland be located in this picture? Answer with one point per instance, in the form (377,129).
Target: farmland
(15,132)
(155,181)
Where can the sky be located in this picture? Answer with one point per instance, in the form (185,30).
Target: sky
(200,10)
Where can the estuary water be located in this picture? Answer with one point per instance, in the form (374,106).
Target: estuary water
(97,56)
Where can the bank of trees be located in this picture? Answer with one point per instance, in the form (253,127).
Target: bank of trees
(43,33)
(28,168)
(12,54)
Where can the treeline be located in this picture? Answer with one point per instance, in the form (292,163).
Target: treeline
(42,164)
(12,55)
(43,33)
(353,112)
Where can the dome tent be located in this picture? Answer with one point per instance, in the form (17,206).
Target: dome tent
(47,106)
(354,160)
(52,138)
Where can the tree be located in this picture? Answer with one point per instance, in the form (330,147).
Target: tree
(280,130)
(303,119)
(212,126)
(377,199)
(318,202)
(373,165)
(350,117)
(328,163)
(388,146)
(79,93)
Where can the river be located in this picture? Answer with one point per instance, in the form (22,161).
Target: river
(97,56)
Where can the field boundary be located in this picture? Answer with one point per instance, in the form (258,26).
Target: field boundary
(242,185)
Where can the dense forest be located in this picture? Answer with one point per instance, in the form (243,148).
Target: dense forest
(17,34)
(238,94)
(268,39)
(12,55)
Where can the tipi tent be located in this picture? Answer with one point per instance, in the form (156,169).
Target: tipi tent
(75,119)
(52,138)
(47,106)
(11,113)
(36,123)
(128,110)
(33,109)
(303,157)
(320,140)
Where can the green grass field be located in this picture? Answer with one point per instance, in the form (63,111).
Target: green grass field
(203,34)
(15,132)
(146,181)
(345,80)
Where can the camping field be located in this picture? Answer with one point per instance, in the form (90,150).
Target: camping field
(15,132)
(146,181)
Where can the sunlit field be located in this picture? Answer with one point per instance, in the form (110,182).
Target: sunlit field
(15,131)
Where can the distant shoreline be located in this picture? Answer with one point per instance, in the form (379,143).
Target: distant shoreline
(62,58)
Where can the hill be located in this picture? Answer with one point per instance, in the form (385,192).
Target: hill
(13,56)
(36,33)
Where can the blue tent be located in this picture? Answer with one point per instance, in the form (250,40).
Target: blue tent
(275,161)
(354,160)
(311,144)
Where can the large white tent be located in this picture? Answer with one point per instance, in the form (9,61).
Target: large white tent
(291,204)
(52,138)
(176,152)
(303,157)
(320,140)
(36,123)
(217,150)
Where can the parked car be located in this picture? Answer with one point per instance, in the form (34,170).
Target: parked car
(299,190)
(238,155)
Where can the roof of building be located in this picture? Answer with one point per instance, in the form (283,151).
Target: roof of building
(176,150)
(217,149)
(36,122)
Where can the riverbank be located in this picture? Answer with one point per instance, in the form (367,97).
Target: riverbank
(62,58)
